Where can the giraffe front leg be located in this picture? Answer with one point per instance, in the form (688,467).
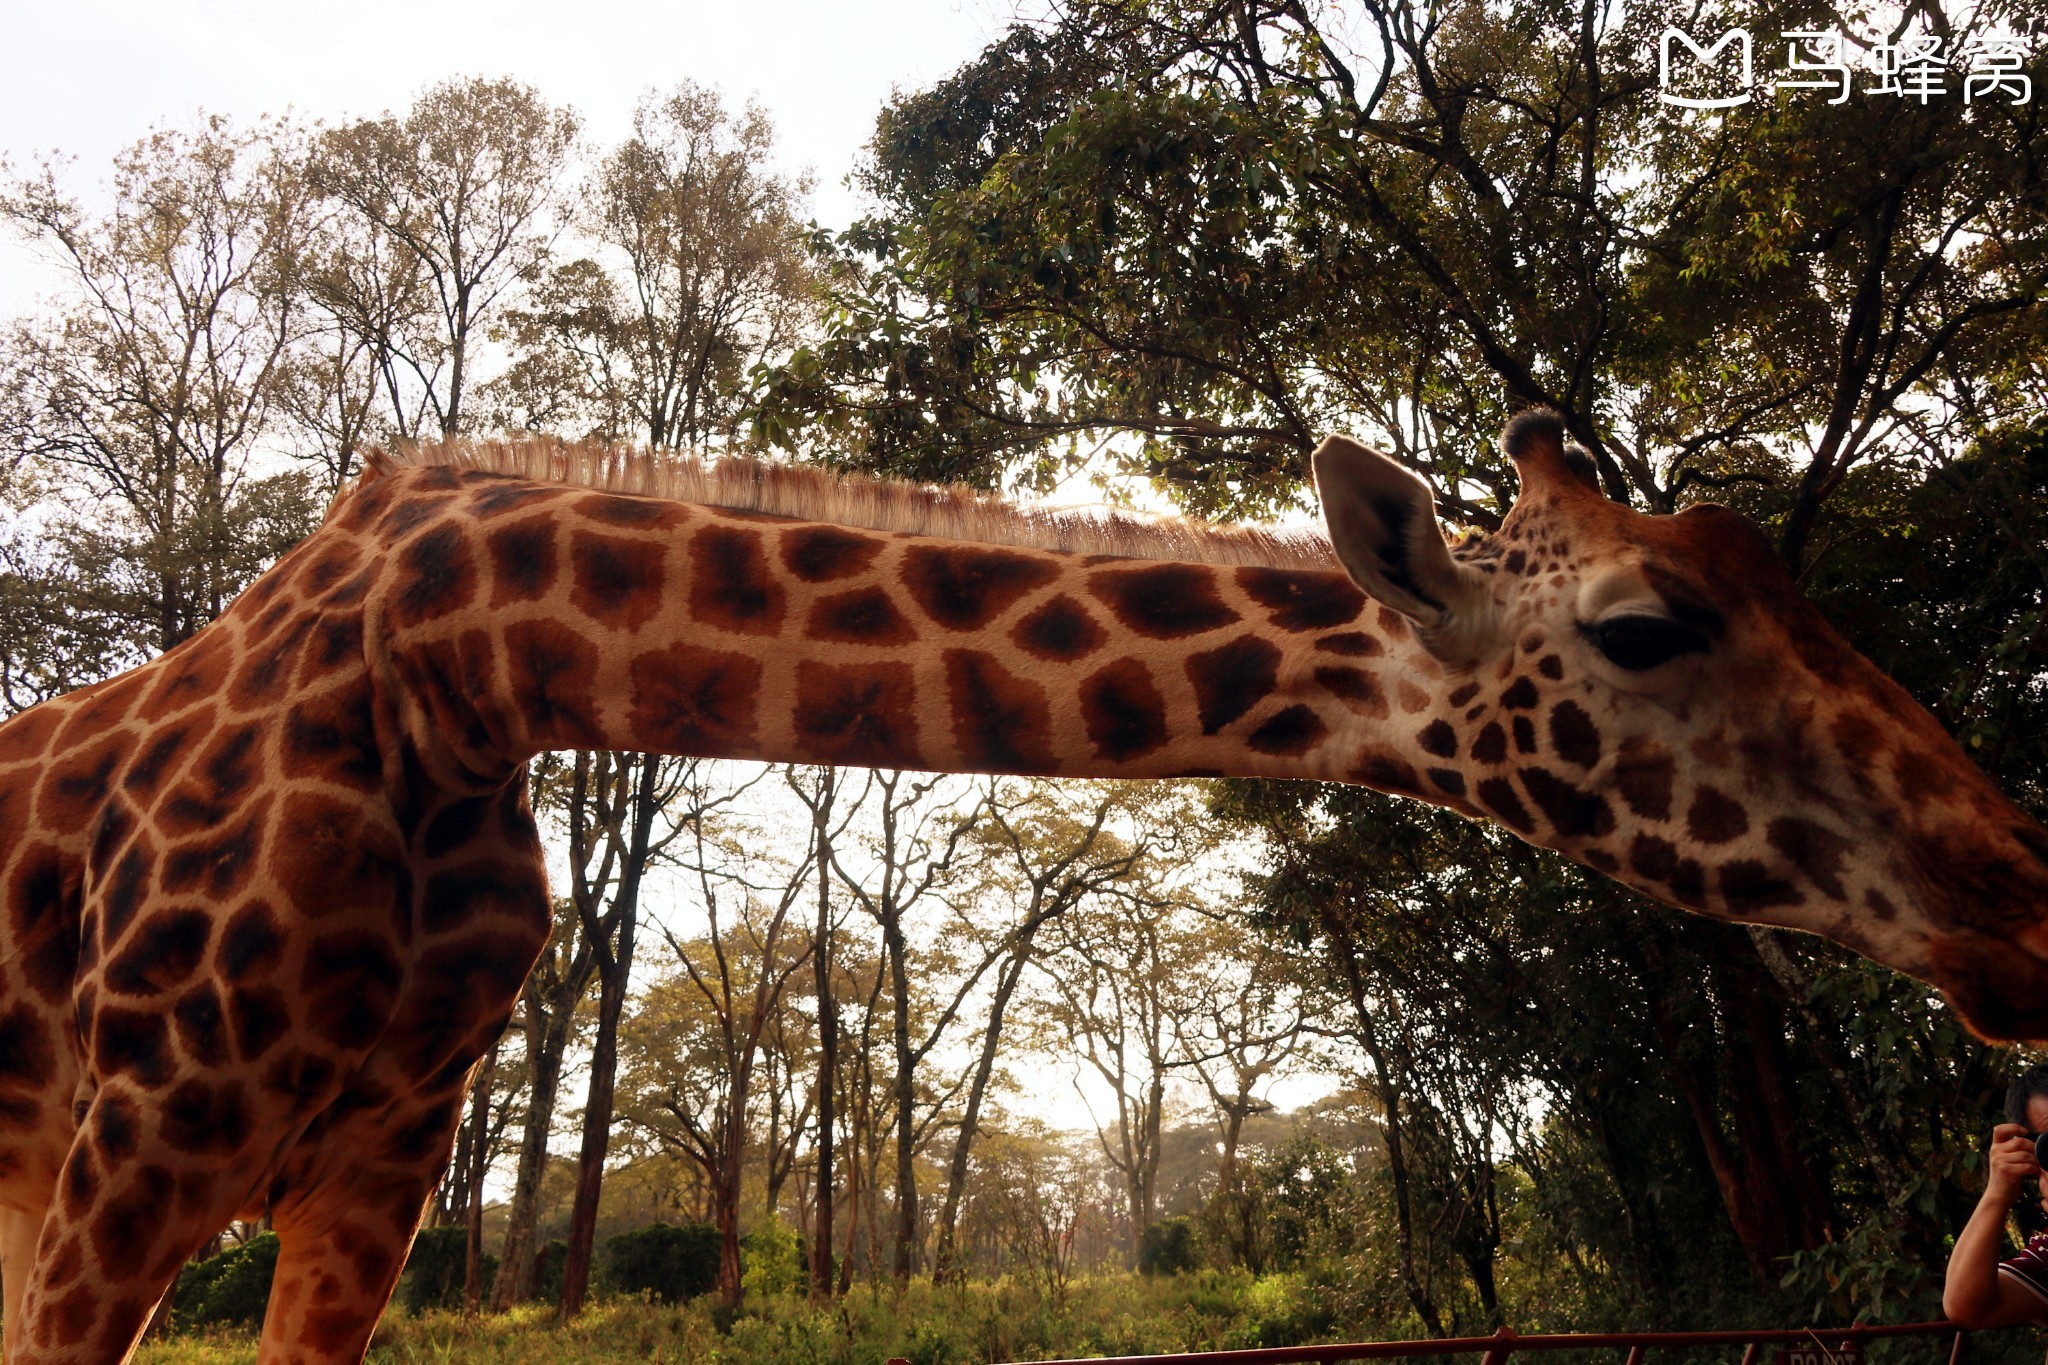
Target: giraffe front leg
(129,1209)
(344,1235)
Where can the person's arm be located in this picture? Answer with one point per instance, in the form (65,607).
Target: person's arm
(1975,1294)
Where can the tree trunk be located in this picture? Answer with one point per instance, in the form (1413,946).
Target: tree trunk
(828,1046)
(727,1189)
(903,1264)
(1774,1201)
(853,1194)
(547,1037)
(597,1129)
(479,1151)
(611,942)
(1141,1175)
(970,1119)
(451,1201)
(1390,1097)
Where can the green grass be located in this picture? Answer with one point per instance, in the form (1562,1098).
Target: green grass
(927,1325)
(1004,1320)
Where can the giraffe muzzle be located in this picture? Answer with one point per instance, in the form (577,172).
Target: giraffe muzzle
(1998,988)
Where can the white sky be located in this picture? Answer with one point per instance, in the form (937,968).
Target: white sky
(88,77)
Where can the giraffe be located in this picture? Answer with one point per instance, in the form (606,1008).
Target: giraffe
(265,901)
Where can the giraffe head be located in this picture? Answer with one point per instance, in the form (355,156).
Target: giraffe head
(1650,696)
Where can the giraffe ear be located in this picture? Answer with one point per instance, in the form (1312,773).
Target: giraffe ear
(1382,523)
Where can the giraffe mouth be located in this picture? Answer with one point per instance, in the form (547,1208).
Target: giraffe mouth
(1999,989)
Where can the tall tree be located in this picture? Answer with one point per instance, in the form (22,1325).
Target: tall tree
(1043,854)
(719,1007)
(822,797)
(1247,1024)
(372,302)
(610,809)
(699,276)
(1116,978)
(141,401)
(556,988)
(465,187)
(473,1193)
(917,836)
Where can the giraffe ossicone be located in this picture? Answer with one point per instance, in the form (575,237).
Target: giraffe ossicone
(268,898)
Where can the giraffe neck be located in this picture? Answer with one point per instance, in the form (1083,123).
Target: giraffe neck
(566,619)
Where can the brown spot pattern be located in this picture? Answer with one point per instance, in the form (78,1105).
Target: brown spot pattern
(1387,773)
(1231,679)
(617,581)
(1573,812)
(1122,711)
(1748,888)
(966,589)
(438,577)
(1715,818)
(1817,852)
(730,586)
(1497,794)
(820,554)
(1061,631)
(1356,688)
(550,669)
(1302,599)
(1438,738)
(1643,773)
(1001,722)
(861,616)
(1289,733)
(695,701)
(1573,735)
(1492,744)
(1163,601)
(636,513)
(863,715)
(1352,644)
(523,560)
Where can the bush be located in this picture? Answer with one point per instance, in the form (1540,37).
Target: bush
(772,1261)
(1168,1247)
(671,1263)
(437,1268)
(547,1271)
(230,1289)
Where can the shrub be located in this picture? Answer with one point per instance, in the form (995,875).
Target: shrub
(547,1271)
(772,1260)
(1167,1248)
(229,1289)
(437,1268)
(671,1263)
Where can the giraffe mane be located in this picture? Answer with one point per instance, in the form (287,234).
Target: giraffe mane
(813,493)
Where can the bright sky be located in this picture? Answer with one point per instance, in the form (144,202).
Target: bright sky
(87,77)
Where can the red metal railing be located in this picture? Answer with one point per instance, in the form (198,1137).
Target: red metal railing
(1830,1342)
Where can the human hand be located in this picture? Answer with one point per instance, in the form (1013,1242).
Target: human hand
(2012,1161)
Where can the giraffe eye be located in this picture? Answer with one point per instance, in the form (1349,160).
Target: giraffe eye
(1643,642)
